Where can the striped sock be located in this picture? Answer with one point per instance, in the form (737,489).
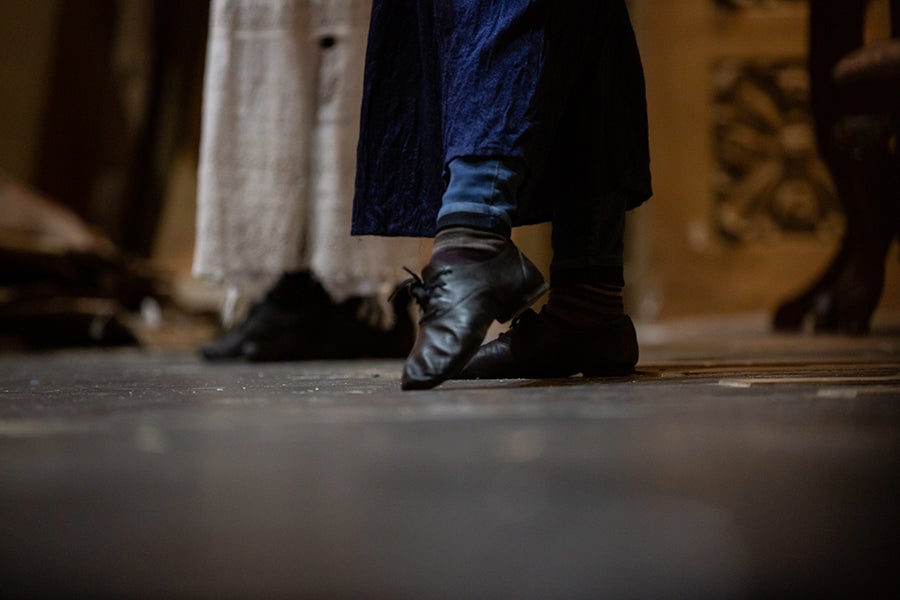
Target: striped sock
(460,245)
(585,305)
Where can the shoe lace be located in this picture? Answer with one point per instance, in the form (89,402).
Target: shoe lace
(422,292)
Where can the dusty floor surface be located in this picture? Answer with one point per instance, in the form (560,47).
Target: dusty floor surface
(734,463)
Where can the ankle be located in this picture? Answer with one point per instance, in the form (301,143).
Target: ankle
(585,305)
(460,245)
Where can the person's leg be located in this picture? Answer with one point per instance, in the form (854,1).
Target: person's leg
(481,194)
(490,57)
(583,328)
(586,274)
(477,208)
(511,73)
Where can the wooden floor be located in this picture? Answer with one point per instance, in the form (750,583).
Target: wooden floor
(734,463)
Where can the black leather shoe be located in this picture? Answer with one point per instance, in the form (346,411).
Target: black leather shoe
(458,304)
(337,333)
(264,323)
(541,347)
(312,327)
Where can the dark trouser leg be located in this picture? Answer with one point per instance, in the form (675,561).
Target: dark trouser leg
(588,240)
(586,274)
(589,207)
(598,129)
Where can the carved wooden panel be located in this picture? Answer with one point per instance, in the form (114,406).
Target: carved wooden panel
(768,179)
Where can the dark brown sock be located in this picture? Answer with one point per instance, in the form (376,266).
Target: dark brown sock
(460,245)
(585,305)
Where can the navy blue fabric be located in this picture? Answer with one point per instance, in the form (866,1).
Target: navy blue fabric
(557,85)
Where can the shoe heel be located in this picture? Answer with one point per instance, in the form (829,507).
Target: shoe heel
(530,298)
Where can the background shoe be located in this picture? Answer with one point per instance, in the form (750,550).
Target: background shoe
(294,300)
(459,302)
(263,322)
(540,347)
(297,320)
(338,333)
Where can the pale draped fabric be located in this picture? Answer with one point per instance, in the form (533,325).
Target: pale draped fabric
(282,92)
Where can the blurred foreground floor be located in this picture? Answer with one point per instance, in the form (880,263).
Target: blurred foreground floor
(733,464)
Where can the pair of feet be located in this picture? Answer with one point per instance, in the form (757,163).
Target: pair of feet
(297,320)
(460,301)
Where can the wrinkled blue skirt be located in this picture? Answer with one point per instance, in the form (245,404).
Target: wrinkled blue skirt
(557,84)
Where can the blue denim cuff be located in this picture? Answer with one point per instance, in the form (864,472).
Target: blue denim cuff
(481,193)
